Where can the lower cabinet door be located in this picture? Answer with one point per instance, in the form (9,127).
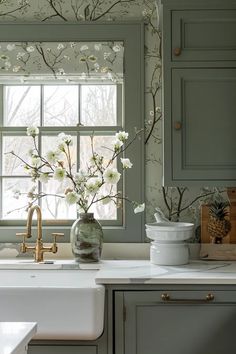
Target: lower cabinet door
(61,349)
(180,322)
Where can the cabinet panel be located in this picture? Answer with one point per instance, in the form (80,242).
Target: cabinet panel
(61,349)
(203,144)
(155,327)
(204,35)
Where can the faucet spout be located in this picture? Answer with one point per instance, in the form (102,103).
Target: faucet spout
(39,249)
(39,221)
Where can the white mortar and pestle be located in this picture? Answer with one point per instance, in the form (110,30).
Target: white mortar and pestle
(168,246)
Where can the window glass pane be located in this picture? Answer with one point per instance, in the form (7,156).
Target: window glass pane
(101,144)
(55,207)
(60,105)
(13,205)
(21,105)
(50,143)
(21,146)
(98,105)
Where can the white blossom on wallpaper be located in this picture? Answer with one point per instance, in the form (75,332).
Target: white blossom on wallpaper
(57,59)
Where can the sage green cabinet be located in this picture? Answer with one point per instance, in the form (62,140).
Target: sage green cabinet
(204,124)
(187,323)
(199,79)
(204,35)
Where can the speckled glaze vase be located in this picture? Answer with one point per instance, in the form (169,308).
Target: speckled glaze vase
(86,239)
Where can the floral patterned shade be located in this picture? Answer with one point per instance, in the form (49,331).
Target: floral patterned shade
(62,60)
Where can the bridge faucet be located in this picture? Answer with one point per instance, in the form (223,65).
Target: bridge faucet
(39,249)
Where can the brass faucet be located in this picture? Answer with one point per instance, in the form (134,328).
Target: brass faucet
(39,249)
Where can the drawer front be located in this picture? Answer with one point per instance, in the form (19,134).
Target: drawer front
(207,35)
(186,323)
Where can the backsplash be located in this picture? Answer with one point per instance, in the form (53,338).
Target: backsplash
(112,10)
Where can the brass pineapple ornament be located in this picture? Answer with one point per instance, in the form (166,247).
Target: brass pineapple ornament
(218,226)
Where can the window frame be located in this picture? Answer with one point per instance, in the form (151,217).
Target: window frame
(132,34)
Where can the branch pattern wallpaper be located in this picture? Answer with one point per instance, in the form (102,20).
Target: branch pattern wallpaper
(177,203)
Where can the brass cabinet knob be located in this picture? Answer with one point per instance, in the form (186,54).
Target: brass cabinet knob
(177,51)
(177,125)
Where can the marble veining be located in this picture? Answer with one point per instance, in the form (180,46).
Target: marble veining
(143,272)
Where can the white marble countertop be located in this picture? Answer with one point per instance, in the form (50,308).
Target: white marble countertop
(143,272)
(15,336)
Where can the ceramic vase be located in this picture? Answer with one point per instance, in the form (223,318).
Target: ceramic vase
(86,239)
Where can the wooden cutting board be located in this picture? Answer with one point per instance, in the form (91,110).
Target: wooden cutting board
(231,237)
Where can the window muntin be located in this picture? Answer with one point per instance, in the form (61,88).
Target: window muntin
(59,107)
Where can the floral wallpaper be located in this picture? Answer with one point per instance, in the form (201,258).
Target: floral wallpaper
(175,202)
(76,60)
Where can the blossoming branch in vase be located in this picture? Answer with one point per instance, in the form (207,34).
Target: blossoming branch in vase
(95,184)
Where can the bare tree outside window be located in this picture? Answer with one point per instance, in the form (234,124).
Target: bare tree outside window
(52,108)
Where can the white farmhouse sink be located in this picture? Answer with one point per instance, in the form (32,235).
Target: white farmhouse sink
(66,304)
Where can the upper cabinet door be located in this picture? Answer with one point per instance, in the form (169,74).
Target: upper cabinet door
(201,35)
(203,123)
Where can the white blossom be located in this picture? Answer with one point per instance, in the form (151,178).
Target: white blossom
(116,48)
(96,159)
(16,68)
(52,156)
(60,71)
(97,46)
(63,138)
(32,131)
(117,145)
(7,65)
(60,46)
(84,47)
(35,161)
(44,178)
(104,69)
(72,198)
(106,200)
(111,175)
(80,177)
(93,185)
(61,146)
(59,174)
(30,49)
(106,55)
(20,55)
(126,163)
(122,136)
(10,46)
(139,208)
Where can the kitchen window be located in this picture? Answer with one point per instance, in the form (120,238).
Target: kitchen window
(81,104)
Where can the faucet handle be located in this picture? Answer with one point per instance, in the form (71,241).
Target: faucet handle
(23,245)
(22,234)
(55,235)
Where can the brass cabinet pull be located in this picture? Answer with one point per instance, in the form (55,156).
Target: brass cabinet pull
(178,125)
(166,298)
(177,51)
